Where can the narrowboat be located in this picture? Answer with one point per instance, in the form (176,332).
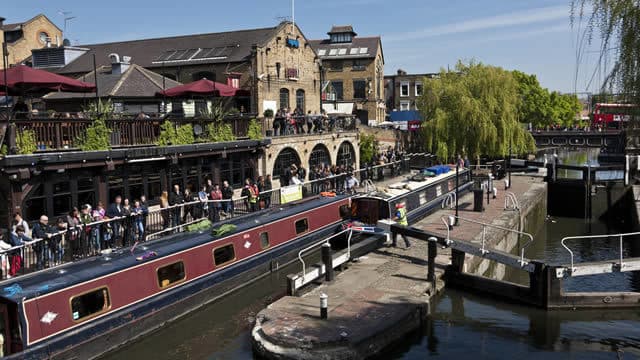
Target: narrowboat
(86,308)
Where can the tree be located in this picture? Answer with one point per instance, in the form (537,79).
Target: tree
(541,108)
(368,146)
(473,110)
(618,22)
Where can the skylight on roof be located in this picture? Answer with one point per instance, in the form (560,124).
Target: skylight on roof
(333,51)
(364,50)
(353,51)
(342,51)
(321,52)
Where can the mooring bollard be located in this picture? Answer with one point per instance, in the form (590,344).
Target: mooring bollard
(324,301)
(452,221)
(327,260)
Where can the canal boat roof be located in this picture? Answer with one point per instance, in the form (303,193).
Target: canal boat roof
(32,285)
(398,189)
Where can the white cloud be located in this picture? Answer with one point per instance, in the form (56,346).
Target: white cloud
(529,16)
(528,34)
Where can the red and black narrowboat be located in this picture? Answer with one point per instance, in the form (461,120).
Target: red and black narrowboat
(88,307)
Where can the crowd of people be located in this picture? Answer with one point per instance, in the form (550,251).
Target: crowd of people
(287,122)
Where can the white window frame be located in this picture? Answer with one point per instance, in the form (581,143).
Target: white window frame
(405,105)
(404,83)
(415,87)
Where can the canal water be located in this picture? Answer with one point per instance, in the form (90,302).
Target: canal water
(462,325)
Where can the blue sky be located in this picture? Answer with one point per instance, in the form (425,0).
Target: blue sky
(418,36)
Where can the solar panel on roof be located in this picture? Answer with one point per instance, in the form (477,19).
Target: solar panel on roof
(225,52)
(165,55)
(188,54)
(179,55)
(353,51)
(364,50)
(342,51)
(204,53)
(333,51)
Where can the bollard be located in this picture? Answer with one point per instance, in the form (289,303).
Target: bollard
(452,221)
(432,249)
(324,301)
(495,192)
(327,260)
(506,184)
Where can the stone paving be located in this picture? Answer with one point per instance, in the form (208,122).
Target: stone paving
(379,298)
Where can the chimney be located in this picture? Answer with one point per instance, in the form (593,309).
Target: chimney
(118,65)
(2,21)
(48,42)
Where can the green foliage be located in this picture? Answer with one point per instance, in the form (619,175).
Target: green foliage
(167,134)
(268,113)
(368,146)
(219,132)
(170,135)
(540,107)
(255,130)
(4,150)
(184,135)
(201,225)
(218,111)
(472,110)
(616,24)
(97,136)
(26,142)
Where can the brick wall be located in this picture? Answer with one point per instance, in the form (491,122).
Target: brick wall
(21,49)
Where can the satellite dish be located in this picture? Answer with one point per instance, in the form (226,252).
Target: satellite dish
(197,130)
(66,42)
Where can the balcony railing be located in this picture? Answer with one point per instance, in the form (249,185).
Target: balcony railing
(96,238)
(64,134)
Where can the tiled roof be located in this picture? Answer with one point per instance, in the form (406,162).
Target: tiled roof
(223,47)
(136,82)
(341,29)
(11,27)
(360,47)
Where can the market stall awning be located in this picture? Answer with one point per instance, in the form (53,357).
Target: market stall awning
(24,80)
(406,115)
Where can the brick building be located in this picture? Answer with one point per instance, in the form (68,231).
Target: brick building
(353,73)
(402,90)
(275,65)
(35,33)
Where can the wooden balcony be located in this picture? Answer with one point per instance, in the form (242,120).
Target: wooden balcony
(64,134)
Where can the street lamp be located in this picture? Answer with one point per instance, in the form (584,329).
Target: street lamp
(457,185)
(509,163)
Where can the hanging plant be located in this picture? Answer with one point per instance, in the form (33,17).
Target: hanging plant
(255,130)
(26,142)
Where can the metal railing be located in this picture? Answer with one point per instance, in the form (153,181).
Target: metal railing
(324,241)
(449,201)
(511,201)
(590,237)
(483,249)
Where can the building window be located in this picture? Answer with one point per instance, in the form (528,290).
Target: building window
(90,304)
(171,274)
(405,105)
(359,65)
(223,255)
(302,226)
(300,100)
(359,89)
(418,88)
(346,155)
(319,156)
(278,70)
(337,89)
(336,65)
(404,88)
(285,158)
(284,98)
(264,240)
(203,75)
(292,73)
(341,38)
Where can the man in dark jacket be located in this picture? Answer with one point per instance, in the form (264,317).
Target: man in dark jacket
(176,198)
(227,194)
(42,234)
(114,211)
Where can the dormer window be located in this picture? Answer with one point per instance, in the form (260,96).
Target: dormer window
(341,38)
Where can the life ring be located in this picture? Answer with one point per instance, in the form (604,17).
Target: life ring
(328,194)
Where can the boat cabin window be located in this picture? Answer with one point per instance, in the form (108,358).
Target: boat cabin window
(223,255)
(302,225)
(264,240)
(171,274)
(90,304)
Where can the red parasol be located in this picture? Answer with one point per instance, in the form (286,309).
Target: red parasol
(202,87)
(23,80)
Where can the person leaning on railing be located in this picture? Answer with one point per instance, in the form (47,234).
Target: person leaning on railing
(18,239)
(42,233)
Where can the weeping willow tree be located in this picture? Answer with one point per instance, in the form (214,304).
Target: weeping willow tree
(472,110)
(618,24)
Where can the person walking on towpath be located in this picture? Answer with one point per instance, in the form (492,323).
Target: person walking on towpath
(401,218)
